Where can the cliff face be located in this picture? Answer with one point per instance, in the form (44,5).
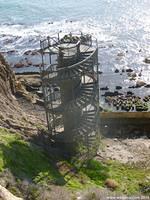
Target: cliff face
(8,105)
(11,115)
(7,80)
(7,101)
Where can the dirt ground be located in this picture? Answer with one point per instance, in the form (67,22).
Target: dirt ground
(131,151)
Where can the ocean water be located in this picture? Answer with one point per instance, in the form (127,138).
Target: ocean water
(121,26)
(126,22)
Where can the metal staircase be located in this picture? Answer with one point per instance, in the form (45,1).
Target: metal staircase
(69,75)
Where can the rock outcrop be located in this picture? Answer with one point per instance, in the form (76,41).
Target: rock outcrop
(7,79)
(12,115)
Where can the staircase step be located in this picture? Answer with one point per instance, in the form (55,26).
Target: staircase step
(89,120)
(90,123)
(81,103)
(87,87)
(88,84)
(87,92)
(89,112)
(89,115)
(86,52)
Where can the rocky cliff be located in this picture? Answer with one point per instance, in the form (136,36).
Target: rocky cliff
(12,115)
(7,80)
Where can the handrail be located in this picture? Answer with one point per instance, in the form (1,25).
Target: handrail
(76,64)
(57,40)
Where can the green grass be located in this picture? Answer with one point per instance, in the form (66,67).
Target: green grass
(129,178)
(28,161)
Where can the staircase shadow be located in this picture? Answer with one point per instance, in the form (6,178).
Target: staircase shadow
(64,162)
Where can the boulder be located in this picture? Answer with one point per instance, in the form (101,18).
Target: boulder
(112,184)
(147,86)
(116,70)
(131,74)
(140,83)
(147,60)
(104,88)
(118,87)
(129,70)
(100,72)
(19,65)
(129,93)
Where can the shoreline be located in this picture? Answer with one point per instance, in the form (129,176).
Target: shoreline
(117,85)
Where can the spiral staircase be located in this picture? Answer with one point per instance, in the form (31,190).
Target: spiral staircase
(69,75)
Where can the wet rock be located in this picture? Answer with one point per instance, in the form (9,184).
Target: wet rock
(116,93)
(147,86)
(118,87)
(133,75)
(116,70)
(132,86)
(140,74)
(19,65)
(129,70)
(104,88)
(127,108)
(11,52)
(111,94)
(50,22)
(130,93)
(140,83)
(99,72)
(146,99)
(141,107)
(147,60)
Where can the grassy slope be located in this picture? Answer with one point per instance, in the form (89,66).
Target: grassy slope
(26,160)
(129,178)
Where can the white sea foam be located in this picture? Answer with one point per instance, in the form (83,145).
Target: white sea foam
(27,37)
